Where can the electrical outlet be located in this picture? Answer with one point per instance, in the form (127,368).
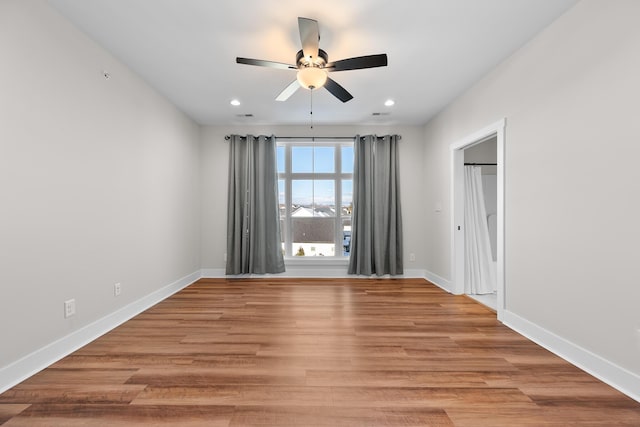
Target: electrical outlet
(69,308)
(117,289)
(412,257)
(225,257)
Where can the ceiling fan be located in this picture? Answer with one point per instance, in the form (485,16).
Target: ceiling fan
(313,64)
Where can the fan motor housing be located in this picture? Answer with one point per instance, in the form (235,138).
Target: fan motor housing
(320,61)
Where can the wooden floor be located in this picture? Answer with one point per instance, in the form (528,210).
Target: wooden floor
(314,353)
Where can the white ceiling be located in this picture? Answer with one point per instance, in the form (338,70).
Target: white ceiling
(186,49)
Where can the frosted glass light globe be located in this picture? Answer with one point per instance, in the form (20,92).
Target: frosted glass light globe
(312,77)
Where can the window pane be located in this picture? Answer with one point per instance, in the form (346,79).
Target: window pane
(283,211)
(281,195)
(280,157)
(282,225)
(347,159)
(324,198)
(312,229)
(346,236)
(324,160)
(313,237)
(301,159)
(347,197)
(282,234)
(301,197)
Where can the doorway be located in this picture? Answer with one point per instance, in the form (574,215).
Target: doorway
(493,132)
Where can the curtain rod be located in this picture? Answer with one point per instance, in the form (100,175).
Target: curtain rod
(481,164)
(311,138)
(350,138)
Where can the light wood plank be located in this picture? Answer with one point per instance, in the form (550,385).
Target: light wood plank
(314,352)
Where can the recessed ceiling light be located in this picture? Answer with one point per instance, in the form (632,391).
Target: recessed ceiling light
(235,102)
(389,102)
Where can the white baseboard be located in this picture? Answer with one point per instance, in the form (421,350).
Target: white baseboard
(606,371)
(36,361)
(309,269)
(438,281)
(413,273)
(212,273)
(300,271)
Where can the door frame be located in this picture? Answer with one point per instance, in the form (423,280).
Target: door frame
(456,149)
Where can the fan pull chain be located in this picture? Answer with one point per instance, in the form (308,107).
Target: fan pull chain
(311,109)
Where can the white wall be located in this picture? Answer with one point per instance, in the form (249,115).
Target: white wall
(570,98)
(99,182)
(214,184)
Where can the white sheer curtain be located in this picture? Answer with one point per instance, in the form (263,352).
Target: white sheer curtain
(479,269)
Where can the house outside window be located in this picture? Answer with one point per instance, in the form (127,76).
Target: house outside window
(315,188)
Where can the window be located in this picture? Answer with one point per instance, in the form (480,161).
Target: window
(315,188)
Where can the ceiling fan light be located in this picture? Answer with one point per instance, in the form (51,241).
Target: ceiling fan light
(312,77)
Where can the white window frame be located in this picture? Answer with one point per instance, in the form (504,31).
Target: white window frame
(337,176)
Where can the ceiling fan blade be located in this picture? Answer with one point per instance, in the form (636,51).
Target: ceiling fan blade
(288,91)
(270,64)
(338,91)
(359,62)
(309,36)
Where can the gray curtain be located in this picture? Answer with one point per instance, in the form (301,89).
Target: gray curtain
(253,220)
(376,220)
